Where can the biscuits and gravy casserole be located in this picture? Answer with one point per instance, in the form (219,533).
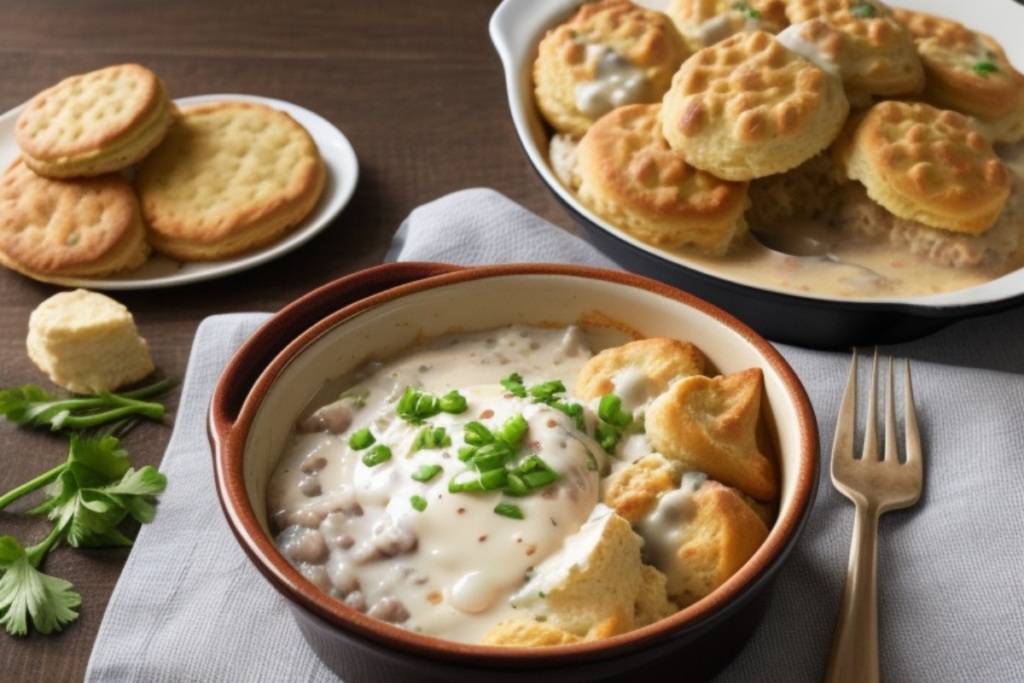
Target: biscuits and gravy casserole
(893,138)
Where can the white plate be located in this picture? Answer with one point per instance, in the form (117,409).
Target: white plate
(160,271)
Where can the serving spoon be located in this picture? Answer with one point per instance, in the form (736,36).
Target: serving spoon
(805,246)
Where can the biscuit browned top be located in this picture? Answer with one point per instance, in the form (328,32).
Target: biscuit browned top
(58,226)
(229,175)
(89,111)
(926,164)
(966,70)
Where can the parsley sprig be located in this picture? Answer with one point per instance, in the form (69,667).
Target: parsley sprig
(33,406)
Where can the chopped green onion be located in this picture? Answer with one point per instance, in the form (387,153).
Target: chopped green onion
(863,10)
(513,429)
(416,406)
(427,472)
(985,67)
(747,10)
(361,439)
(358,398)
(476,434)
(465,484)
(453,403)
(545,392)
(610,410)
(514,384)
(378,454)
(508,510)
(418,503)
(431,438)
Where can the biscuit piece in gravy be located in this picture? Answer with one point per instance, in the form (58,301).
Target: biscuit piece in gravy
(631,177)
(748,107)
(608,54)
(229,177)
(94,123)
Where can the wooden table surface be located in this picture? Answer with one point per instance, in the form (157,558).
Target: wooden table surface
(415,86)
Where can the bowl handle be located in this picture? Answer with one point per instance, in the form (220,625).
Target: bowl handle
(273,336)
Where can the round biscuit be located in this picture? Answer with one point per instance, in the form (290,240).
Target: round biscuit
(228,178)
(631,177)
(747,107)
(94,123)
(873,52)
(969,72)
(607,54)
(925,164)
(89,227)
(706,22)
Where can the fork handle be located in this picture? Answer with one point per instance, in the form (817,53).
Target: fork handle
(854,654)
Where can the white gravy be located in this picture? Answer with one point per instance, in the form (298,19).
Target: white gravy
(617,81)
(449,569)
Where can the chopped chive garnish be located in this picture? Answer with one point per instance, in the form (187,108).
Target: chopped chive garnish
(986,66)
(747,10)
(429,437)
(378,454)
(416,406)
(514,384)
(863,10)
(426,472)
(507,510)
(614,420)
(545,392)
(453,403)
(418,503)
(361,439)
(358,398)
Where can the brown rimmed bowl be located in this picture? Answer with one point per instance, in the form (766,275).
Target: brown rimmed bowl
(388,308)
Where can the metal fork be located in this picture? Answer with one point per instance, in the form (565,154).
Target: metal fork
(875,486)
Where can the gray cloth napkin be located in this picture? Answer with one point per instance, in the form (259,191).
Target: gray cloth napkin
(189,607)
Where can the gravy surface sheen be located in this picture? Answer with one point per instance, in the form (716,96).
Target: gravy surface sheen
(450,569)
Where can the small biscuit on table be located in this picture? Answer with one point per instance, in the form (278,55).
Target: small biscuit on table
(926,164)
(630,176)
(747,107)
(87,343)
(711,425)
(94,123)
(230,177)
(78,228)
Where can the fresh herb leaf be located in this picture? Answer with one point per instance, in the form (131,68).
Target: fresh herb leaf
(985,67)
(864,10)
(747,10)
(26,592)
(33,406)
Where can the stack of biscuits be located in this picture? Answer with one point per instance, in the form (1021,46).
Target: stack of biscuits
(881,123)
(111,170)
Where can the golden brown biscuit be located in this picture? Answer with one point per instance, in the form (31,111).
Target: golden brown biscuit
(925,164)
(710,425)
(969,72)
(706,22)
(748,107)
(717,534)
(229,177)
(87,343)
(630,177)
(873,52)
(525,632)
(94,123)
(633,490)
(638,370)
(609,53)
(53,229)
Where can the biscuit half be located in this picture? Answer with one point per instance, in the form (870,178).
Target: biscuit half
(54,229)
(925,164)
(630,176)
(228,178)
(748,107)
(94,123)
(607,54)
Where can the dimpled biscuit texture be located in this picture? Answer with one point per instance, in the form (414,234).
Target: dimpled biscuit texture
(706,22)
(926,164)
(229,177)
(875,54)
(607,54)
(638,370)
(69,228)
(94,123)
(630,176)
(748,107)
(969,72)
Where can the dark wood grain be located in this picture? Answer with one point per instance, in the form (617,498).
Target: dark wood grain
(416,87)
